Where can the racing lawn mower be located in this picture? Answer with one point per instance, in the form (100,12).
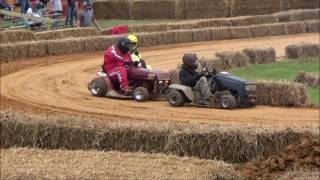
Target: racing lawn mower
(146,84)
(228,92)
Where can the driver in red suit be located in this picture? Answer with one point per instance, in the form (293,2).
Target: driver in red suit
(115,60)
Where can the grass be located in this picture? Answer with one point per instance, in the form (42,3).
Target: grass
(107,23)
(283,70)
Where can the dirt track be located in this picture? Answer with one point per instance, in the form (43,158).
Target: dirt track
(63,87)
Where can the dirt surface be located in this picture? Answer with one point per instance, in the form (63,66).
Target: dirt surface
(303,156)
(23,163)
(60,84)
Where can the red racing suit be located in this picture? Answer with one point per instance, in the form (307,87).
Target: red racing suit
(113,65)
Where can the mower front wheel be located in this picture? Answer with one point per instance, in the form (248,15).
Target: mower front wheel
(228,102)
(176,98)
(98,87)
(141,94)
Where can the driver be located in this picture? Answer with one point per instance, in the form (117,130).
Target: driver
(115,60)
(135,55)
(190,77)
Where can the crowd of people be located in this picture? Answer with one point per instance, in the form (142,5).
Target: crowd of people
(76,12)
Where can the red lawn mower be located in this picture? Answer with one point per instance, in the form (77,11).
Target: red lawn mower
(146,85)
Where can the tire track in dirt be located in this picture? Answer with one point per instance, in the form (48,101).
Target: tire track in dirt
(63,87)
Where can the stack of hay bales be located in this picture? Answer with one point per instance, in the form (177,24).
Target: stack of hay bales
(296,28)
(240,32)
(13,36)
(276,29)
(230,60)
(191,9)
(298,4)
(308,79)
(114,9)
(152,9)
(23,49)
(231,144)
(67,33)
(302,50)
(260,56)
(223,33)
(312,26)
(253,7)
(297,15)
(281,93)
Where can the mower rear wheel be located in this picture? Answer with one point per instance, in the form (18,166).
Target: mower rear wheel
(141,94)
(176,98)
(228,102)
(98,87)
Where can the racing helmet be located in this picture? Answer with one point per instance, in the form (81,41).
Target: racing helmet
(124,45)
(190,60)
(134,41)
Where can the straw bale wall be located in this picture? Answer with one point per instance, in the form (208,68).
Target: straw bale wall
(312,26)
(281,93)
(283,17)
(231,145)
(298,4)
(66,33)
(308,79)
(193,9)
(13,36)
(152,9)
(115,9)
(260,56)
(253,7)
(23,49)
(302,50)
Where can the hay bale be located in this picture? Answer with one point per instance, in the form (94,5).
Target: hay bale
(260,56)
(182,139)
(253,7)
(302,50)
(111,9)
(152,9)
(281,93)
(253,20)
(276,29)
(308,79)
(296,27)
(240,33)
(297,15)
(67,33)
(13,36)
(221,33)
(183,36)
(66,46)
(312,26)
(298,4)
(258,31)
(204,34)
(14,51)
(190,9)
(232,60)
(212,64)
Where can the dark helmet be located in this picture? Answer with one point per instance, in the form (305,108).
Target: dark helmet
(124,45)
(190,60)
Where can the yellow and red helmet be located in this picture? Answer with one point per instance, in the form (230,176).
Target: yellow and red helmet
(134,41)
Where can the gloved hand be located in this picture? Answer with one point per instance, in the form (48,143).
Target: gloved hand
(204,72)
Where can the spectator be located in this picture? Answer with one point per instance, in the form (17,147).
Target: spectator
(33,11)
(57,10)
(24,5)
(5,6)
(86,17)
(71,12)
